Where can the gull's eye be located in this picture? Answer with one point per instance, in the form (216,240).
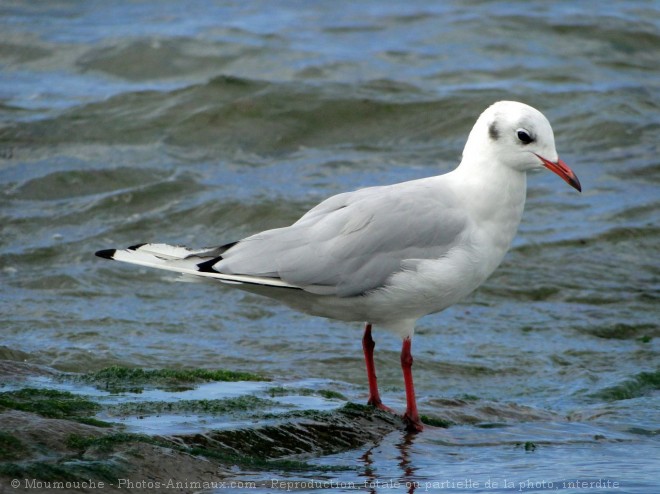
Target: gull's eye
(524,136)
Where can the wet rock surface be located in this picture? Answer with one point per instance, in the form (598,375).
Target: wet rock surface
(51,435)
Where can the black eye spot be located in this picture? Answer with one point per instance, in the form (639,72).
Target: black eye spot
(524,136)
(493,131)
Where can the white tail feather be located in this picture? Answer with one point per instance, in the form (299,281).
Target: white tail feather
(185,261)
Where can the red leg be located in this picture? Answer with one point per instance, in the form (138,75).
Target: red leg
(368,347)
(411,417)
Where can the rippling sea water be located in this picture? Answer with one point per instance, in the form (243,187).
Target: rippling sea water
(201,122)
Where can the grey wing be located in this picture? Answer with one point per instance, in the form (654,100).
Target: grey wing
(352,243)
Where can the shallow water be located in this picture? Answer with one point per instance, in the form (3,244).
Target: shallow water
(124,122)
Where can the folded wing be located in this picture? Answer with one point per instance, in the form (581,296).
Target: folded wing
(353,243)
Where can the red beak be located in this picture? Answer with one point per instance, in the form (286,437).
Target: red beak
(562,169)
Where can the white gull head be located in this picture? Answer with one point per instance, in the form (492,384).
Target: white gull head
(515,135)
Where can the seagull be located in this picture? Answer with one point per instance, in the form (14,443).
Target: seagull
(388,255)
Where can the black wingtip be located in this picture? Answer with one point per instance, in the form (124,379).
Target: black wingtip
(207,266)
(106,253)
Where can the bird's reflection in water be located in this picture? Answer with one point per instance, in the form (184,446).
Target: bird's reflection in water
(406,465)
(406,480)
(369,473)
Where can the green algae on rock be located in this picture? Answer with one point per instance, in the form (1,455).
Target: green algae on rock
(207,407)
(49,403)
(11,447)
(328,394)
(121,379)
(80,451)
(640,385)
